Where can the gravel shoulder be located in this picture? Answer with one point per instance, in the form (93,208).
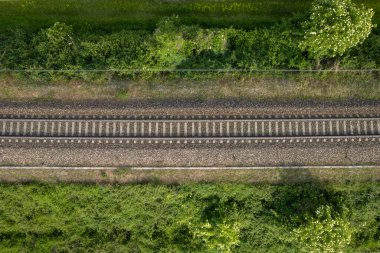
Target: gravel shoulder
(106,107)
(250,155)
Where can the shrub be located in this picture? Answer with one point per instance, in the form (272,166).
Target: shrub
(177,45)
(274,47)
(365,57)
(170,47)
(324,233)
(56,47)
(200,217)
(121,50)
(15,52)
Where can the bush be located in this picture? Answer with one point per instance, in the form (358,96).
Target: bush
(56,48)
(175,44)
(324,233)
(122,50)
(15,50)
(275,47)
(365,57)
(66,53)
(188,218)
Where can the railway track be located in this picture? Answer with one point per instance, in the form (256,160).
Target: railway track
(93,129)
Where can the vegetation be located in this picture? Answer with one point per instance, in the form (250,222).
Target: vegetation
(62,49)
(131,176)
(335,26)
(189,218)
(112,15)
(136,49)
(172,46)
(275,87)
(324,233)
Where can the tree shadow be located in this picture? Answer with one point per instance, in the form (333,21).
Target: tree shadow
(216,210)
(294,202)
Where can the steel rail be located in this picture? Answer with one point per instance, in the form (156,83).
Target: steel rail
(182,168)
(191,120)
(185,117)
(193,138)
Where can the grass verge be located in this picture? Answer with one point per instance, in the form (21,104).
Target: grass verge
(332,87)
(127,176)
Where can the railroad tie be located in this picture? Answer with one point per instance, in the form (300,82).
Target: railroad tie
(200,129)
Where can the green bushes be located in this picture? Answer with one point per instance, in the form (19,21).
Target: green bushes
(324,233)
(190,218)
(170,47)
(173,44)
(273,48)
(365,56)
(56,48)
(16,50)
(115,51)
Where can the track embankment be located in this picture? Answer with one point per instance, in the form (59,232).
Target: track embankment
(199,136)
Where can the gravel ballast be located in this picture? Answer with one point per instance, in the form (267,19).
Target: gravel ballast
(296,154)
(187,108)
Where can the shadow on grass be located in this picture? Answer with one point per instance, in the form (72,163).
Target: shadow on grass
(297,200)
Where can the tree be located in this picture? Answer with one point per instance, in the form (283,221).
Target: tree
(56,46)
(324,233)
(221,237)
(335,26)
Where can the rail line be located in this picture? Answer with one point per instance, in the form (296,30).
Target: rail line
(183,117)
(191,129)
(216,140)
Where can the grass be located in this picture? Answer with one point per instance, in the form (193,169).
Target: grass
(128,176)
(100,15)
(333,87)
(178,218)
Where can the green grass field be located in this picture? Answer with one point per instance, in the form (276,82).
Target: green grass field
(183,218)
(144,14)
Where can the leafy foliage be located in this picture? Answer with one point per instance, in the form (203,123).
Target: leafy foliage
(217,238)
(56,47)
(296,205)
(15,51)
(115,51)
(274,47)
(324,233)
(188,218)
(335,26)
(174,43)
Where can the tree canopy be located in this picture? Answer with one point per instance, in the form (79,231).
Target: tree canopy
(335,26)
